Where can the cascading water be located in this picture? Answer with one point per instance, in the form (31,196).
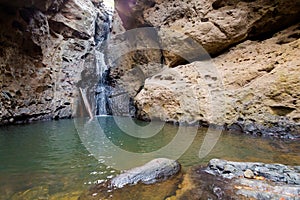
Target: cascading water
(102,70)
(110,98)
(102,90)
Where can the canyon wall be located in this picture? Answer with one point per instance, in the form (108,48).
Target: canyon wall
(220,62)
(46,48)
(251,81)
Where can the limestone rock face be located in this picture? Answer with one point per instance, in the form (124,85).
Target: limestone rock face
(253,87)
(47,5)
(262,81)
(182,94)
(132,55)
(132,50)
(78,19)
(251,84)
(45,47)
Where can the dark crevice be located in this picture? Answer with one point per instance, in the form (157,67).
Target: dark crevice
(26,118)
(282,110)
(259,37)
(269,24)
(220,28)
(178,62)
(27,14)
(289,39)
(268,69)
(56,7)
(218,4)
(67,32)
(59,108)
(222,3)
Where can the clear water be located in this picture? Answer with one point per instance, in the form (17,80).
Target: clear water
(48,160)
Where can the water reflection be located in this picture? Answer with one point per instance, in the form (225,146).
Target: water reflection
(50,159)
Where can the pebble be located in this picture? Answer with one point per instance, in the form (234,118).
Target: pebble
(249,174)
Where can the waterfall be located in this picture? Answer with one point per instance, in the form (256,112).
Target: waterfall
(94,86)
(102,89)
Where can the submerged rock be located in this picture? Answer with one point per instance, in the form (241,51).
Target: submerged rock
(154,171)
(138,183)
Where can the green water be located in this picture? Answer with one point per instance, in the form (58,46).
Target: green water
(49,160)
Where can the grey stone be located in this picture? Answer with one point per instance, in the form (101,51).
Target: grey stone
(154,171)
(272,172)
(249,174)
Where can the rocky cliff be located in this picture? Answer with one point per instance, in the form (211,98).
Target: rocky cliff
(46,48)
(251,83)
(230,63)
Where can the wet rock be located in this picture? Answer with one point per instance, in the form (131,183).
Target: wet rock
(248,174)
(273,172)
(229,169)
(157,179)
(212,182)
(249,188)
(154,171)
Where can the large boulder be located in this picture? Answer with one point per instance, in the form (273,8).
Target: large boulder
(157,179)
(154,171)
